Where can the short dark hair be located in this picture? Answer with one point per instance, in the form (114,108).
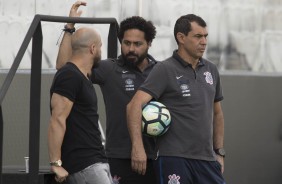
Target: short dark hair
(136,22)
(183,24)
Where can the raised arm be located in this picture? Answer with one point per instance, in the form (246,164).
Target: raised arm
(134,118)
(218,131)
(65,50)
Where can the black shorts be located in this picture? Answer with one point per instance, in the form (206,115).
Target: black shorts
(188,171)
(122,173)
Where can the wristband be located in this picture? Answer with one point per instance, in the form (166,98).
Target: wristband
(69,30)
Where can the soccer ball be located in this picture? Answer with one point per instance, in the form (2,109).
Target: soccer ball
(155,119)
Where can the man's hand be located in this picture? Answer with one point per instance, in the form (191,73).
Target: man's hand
(74,12)
(220,159)
(139,160)
(61,173)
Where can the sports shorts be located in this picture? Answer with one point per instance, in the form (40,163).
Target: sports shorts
(187,171)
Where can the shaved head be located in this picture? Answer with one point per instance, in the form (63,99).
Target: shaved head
(83,38)
(87,42)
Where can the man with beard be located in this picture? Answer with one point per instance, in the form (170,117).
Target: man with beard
(74,139)
(119,79)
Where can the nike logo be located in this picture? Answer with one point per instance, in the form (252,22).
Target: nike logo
(165,115)
(178,77)
(124,71)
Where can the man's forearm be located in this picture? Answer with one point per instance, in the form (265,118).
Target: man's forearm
(55,139)
(134,127)
(65,51)
(218,132)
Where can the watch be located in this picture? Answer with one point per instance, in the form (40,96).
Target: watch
(57,163)
(220,152)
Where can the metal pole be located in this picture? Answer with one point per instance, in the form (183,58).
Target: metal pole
(34,114)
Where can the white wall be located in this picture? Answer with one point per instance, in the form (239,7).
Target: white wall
(243,34)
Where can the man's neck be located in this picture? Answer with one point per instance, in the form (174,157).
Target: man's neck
(143,65)
(85,68)
(188,59)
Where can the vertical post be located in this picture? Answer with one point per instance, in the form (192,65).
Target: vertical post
(35,92)
(112,40)
(1,142)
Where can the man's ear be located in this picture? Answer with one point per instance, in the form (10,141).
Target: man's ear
(180,37)
(92,48)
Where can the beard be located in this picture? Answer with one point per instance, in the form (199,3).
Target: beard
(133,60)
(96,61)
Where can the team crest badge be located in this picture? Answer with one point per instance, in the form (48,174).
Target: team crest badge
(173,179)
(208,78)
(129,85)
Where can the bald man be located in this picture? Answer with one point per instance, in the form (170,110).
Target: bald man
(74,139)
